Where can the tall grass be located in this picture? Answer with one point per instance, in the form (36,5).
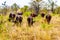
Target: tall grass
(39,31)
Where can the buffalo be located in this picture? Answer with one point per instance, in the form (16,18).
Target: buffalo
(33,14)
(11,17)
(19,19)
(30,20)
(42,14)
(20,13)
(48,18)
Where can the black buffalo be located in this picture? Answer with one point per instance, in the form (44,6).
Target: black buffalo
(30,20)
(11,17)
(20,13)
(33,14)
(48,18)
(42,14)
(19,19)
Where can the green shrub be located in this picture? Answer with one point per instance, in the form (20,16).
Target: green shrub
(27,13)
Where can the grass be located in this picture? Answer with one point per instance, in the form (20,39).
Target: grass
(39,31)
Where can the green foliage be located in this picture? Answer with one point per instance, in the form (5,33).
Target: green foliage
(37,18)
(57,10)
(47,26)
(43,25)
(35,6)
(25,8)
(4,8)
(52,5)
(37,0)
(15,7)
(27,13)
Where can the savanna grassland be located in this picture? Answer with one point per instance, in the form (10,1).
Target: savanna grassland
(39,31)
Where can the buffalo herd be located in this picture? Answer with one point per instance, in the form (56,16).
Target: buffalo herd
(18,18)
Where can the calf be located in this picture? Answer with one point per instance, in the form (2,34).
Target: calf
(11,17)
(30,20)
(48,18)
(42,14)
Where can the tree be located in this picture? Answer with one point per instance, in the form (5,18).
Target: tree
(52,4)
(57,10)
(15,7)
(4,9)
(37,0)
(35,5)
(25,8)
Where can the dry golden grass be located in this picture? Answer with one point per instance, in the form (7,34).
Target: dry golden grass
(39,31)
